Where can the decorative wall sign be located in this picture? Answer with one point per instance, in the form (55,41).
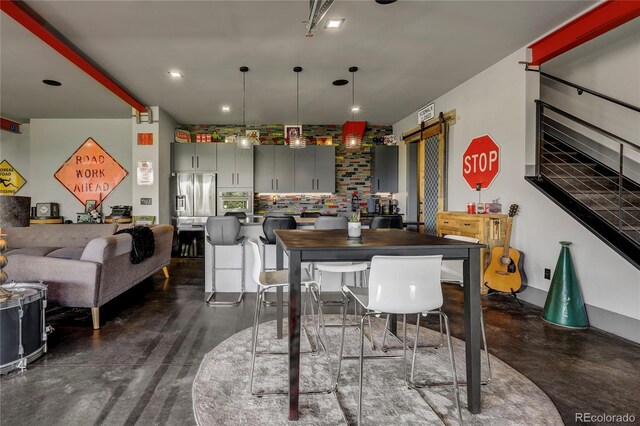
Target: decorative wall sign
(253,135)
(145,173)
(10,180)
(145,138)
(182,136)
(481,162)
(427,113)
(90,173)
(324,140)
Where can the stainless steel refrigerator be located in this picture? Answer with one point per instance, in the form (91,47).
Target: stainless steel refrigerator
(193,196)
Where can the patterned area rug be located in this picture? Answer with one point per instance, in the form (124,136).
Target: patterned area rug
(221,388)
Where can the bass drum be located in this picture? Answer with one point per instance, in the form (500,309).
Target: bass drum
(23,336)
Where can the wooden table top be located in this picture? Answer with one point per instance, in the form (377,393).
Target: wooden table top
(330,239)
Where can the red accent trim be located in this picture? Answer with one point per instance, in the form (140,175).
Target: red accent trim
(34,24)
(356,127)
(9,125)
(585,27)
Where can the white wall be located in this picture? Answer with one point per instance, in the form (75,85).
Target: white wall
(52,143)
(15,149)
(495,102)
(159,154)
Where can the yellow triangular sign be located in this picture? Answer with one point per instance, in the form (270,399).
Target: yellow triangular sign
(10,180)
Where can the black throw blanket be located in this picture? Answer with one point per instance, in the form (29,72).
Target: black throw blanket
(143,244)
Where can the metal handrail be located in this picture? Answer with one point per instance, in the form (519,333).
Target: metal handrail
(582,89)
(587,124)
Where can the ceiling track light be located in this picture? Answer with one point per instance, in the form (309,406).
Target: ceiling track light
(298,141)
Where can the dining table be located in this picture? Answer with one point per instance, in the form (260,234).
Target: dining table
(302,245)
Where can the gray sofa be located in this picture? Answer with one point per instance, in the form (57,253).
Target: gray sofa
(83,265)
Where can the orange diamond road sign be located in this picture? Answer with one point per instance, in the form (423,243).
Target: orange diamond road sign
(481,162)
(90,173)
(10,180)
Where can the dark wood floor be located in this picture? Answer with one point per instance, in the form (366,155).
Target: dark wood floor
(138,368)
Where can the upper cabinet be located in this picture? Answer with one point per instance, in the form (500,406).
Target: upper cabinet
(274,169)
(384,168)
(235,166)
(315,169)
(189,157)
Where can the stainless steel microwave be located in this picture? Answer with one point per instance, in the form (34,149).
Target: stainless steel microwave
(235,201)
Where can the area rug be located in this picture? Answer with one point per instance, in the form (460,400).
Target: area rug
(221,388)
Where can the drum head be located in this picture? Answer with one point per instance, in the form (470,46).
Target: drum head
(19,293)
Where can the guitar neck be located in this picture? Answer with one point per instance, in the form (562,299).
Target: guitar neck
(507,238)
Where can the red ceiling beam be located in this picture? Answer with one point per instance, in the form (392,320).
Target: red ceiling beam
(585,27)
(34,23)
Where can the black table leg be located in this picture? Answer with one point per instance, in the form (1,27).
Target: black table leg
(279,266)
(471,274)
(295,300)
(393,324)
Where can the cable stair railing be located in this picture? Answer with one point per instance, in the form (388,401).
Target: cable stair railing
(591,173)
(606,191)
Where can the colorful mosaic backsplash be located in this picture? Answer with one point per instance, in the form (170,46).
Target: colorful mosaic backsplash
(353,167)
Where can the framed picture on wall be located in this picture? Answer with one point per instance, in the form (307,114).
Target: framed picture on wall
(291,132)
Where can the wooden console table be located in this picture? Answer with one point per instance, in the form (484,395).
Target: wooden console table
(488,228)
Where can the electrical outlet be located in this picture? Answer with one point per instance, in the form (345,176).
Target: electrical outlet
(145,201)
(547,273)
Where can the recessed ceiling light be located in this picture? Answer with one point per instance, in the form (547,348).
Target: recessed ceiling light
(340,82)
(334,24)
(226,108)
(385,1)
(355,108)
(175,74)
(52,83)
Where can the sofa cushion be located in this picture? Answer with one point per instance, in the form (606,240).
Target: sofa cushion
(67,253)
(32,251)
(72,235)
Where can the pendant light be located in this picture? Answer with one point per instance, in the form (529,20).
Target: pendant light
(241,138)
(298,141)
(353,140)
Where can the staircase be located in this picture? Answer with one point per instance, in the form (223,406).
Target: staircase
(595,194)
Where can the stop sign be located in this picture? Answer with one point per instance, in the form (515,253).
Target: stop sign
(481,162)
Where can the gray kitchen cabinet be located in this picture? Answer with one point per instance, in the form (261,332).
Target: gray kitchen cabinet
(264,170)
(325,169)
(384,169)
(189,157)
(304,169)
(315,169)
(274,169)
(235,166)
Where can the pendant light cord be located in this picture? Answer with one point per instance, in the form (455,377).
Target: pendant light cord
(244,95)
(297,99)
(353,94)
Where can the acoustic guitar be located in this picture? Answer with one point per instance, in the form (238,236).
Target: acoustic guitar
(505,273)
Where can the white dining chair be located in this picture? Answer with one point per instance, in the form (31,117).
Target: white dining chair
(401,285)
(272,279)
(318,270)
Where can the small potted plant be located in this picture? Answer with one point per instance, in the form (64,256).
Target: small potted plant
(354,228)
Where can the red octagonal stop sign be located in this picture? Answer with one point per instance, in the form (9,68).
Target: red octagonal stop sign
(481,162)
